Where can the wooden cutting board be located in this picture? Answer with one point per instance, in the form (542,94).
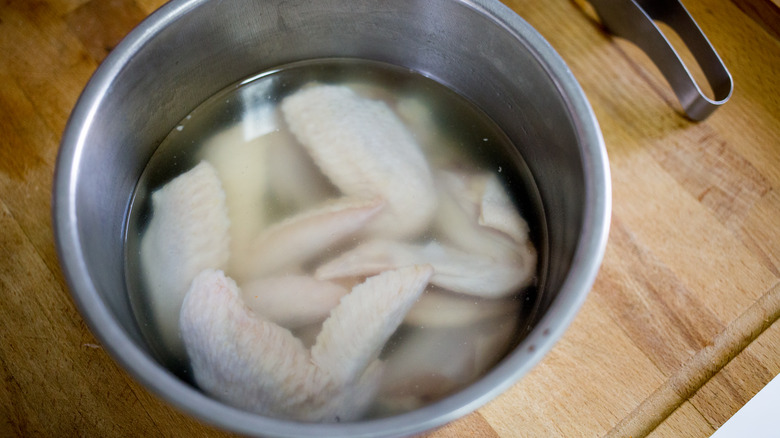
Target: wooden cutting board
(678,333)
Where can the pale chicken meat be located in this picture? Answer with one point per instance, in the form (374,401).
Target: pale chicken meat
(241,164)
(292,301)
(247,361)
(457,218)
(366,151)
(188,232)
(484,261)
(438,308)
(455,270)
(497,211)
(477,216)
(431,363)
(239,358)
(289,243)
(294,181)
(358,328)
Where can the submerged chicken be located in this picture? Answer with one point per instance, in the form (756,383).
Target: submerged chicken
(245,360)
(396,244)
(489,254)
(366,151)
(188,233)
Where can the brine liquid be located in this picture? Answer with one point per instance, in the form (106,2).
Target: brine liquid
(453,134)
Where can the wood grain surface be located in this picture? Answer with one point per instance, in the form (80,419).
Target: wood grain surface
(679,331)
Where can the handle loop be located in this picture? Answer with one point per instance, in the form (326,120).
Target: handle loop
(633,20)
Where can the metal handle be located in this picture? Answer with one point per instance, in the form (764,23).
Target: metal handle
(633,20)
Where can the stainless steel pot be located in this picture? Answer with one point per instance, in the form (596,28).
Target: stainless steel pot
(190,49)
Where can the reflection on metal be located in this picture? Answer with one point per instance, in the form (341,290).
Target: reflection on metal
(634,21)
